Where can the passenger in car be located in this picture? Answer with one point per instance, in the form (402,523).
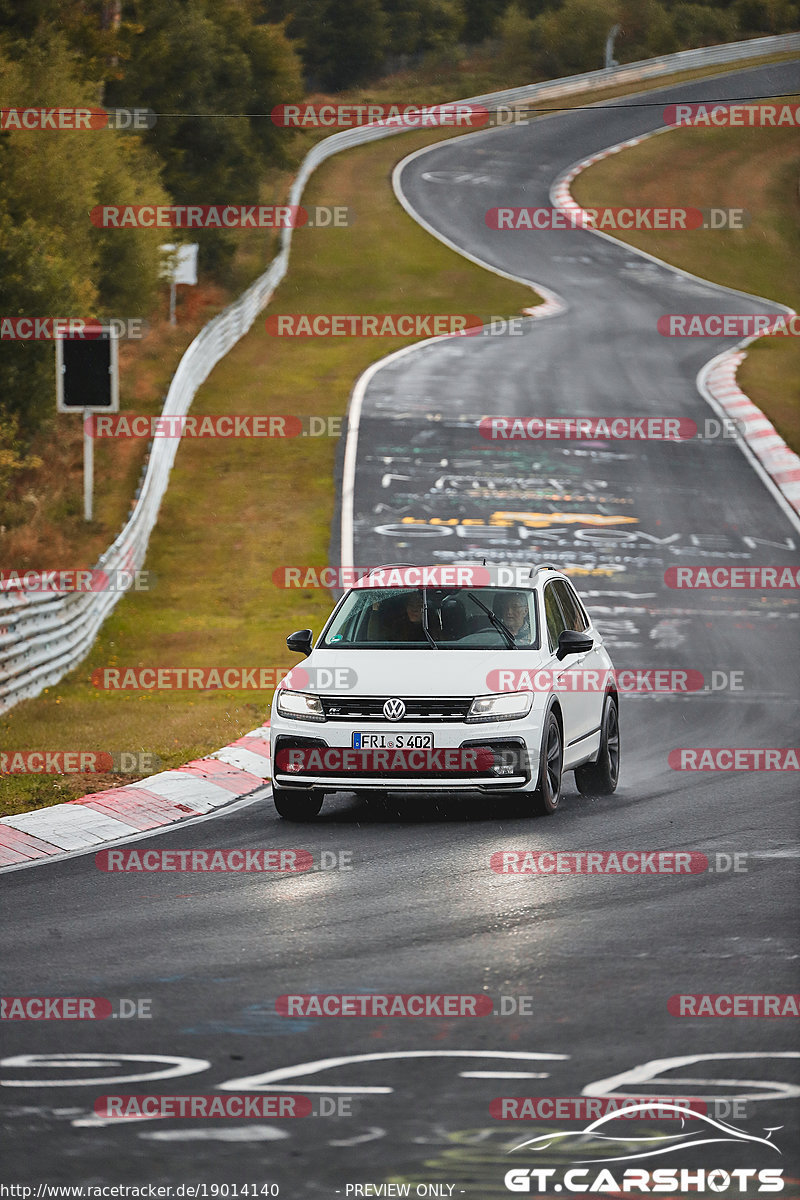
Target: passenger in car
(398,619)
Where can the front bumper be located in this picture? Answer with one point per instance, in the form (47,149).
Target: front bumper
(491,757)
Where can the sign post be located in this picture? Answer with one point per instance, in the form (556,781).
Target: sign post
(181,267)
(87,381)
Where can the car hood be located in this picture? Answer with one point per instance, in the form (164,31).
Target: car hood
(411,672)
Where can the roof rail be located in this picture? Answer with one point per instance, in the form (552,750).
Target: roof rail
(383,567)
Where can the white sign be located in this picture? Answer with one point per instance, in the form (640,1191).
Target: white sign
(181,267)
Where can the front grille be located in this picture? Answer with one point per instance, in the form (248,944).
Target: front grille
(418,708)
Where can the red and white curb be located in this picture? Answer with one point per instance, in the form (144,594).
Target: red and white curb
(781,464)
(717,379)
(192,790)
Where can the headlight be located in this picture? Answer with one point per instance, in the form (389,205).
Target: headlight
(506,707)
(299,704)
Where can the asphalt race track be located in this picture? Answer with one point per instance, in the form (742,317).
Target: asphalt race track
(420,909)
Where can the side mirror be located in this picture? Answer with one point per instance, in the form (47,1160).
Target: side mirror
(300,642)
(570,641)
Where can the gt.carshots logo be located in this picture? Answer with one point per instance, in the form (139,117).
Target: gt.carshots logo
(682,1181)
(606,1140)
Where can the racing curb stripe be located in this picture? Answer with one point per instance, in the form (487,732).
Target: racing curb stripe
(780,462)
(191,790)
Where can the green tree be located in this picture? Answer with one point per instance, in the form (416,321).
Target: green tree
(697,25)
(344,42)
(212,76)
(572,39)
(482,19)
(53,261)
(416,26)
(646,31)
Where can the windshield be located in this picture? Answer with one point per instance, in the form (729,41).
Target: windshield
(427,618)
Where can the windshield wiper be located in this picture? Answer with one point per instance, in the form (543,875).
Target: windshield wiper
(496,621)
(425,629)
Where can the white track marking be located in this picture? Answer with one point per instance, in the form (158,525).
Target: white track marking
(650,1072)
(273,1080)
(179,1066)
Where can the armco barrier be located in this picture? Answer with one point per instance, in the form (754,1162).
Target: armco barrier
(42,636)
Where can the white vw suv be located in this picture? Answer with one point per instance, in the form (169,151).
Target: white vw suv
(445,679)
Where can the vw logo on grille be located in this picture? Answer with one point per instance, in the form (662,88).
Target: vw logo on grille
(394,710)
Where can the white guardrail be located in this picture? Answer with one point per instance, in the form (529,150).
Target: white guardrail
(43,636)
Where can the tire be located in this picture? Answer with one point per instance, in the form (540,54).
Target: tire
(547,796)
(600,778)
(296,806)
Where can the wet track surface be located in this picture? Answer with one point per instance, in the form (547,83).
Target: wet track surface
(421,909)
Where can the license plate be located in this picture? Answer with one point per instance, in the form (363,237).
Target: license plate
(392,741)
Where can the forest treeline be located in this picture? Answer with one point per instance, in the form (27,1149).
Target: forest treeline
(212,70)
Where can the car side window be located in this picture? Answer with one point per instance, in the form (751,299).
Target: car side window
(553,616)
(570,605)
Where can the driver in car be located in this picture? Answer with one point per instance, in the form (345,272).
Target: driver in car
(512,609)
